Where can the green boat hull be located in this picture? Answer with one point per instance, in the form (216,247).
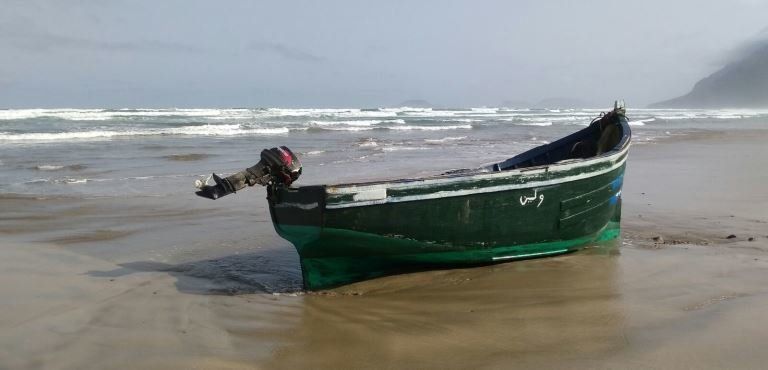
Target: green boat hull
(353,244)
(355,232)
(332,271)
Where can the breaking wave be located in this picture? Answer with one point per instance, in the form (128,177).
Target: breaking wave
(338,128)
(357,123)
(56,167)
(66,124)
(340,113)
(367,143)
(445,139)
(641,122)
(314,152)
(48,167)
(202,130)
(106,114)
(214,114)
(403,148)
(541,124)
(431,128)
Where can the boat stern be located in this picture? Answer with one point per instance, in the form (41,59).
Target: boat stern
(297,213)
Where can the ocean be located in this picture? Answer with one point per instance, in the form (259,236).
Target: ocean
(158,152)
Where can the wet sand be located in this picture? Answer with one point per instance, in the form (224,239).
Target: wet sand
(147,283)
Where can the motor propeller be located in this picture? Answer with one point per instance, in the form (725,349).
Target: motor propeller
(277,167)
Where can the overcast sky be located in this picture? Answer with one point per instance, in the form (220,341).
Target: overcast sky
(186,53)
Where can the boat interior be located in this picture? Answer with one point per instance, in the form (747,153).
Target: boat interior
(605,134)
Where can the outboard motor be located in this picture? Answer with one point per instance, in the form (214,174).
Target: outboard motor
(278,166)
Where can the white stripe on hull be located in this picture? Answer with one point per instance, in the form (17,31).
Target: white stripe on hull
(381,188)
(529,255)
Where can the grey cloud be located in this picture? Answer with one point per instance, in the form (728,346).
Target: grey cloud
(36,40)
(285,51)
(755,43)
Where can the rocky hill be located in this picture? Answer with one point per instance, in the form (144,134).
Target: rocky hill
(740,84)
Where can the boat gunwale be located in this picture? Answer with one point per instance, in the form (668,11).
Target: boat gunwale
(455,193)
(620,149)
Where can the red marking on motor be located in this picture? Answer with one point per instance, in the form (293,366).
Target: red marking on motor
(286,157)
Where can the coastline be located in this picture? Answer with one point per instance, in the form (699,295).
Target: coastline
(90,285)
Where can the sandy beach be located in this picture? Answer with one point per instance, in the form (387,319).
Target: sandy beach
(99,284)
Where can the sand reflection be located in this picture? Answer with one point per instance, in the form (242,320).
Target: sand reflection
(526,311)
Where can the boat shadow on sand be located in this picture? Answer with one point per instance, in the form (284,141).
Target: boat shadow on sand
(269,271)
(246,273)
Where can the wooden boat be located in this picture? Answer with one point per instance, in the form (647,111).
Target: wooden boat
(553,199)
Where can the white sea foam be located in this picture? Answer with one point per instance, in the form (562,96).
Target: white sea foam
(445,139)
(669,118)
(301,112)
(679,116)
(515,109)
(344,128)
(104,114)
(369,113)
(535,121)
(403,148)
(366,126)
(365,123)
(266,131)
(147,113)
(201,130)
(48,167)
(676,114)
(551,118)
(277,121)
(431,128)
(213,114)
(368,143)
(243,113)
(395,121)
(13,114)
(317,113)
(484,110)
(37,181)
(76,181)
(430,113)
(405,109)
(558,118)
(235,114)
(223,130)
(359,123)
(68,181)
(62,136)
(641,122)
(542,124)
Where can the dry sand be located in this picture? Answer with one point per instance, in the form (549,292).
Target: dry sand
(108,296)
